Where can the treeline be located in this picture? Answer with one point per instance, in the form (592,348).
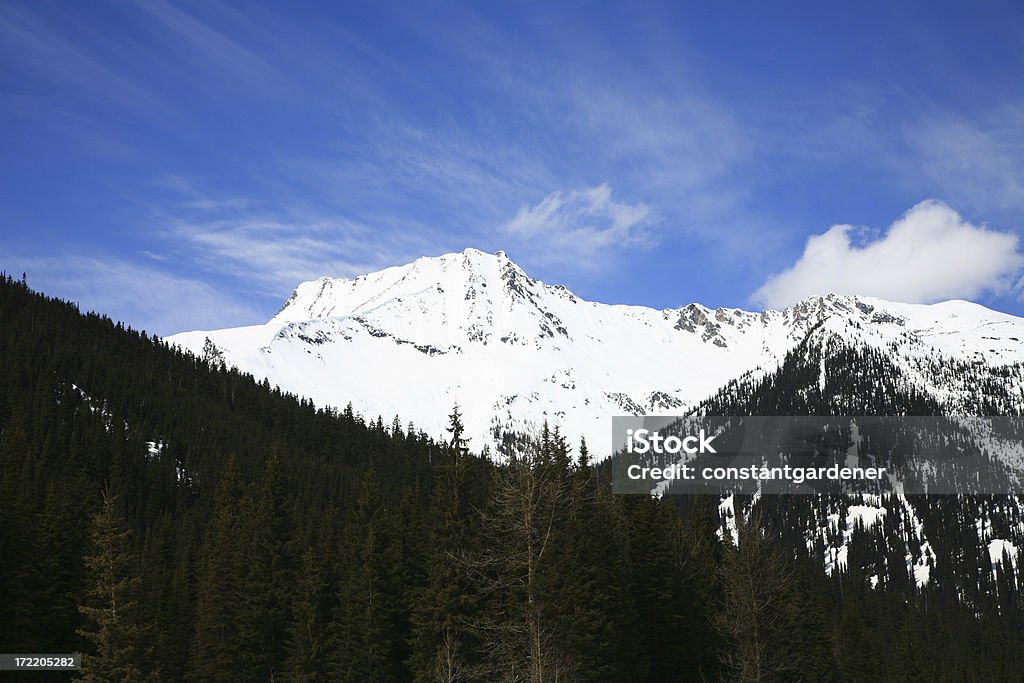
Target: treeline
(176,520)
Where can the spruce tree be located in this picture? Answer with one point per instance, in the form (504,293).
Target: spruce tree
(457,444)
(307,632)
(443,642)
(757,603)
(218,651)
(365,632)
(268,529)
(114,628)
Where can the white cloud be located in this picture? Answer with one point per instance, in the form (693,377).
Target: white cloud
(929,254)
(582,223)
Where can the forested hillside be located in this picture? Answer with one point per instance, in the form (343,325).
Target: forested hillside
(176,520)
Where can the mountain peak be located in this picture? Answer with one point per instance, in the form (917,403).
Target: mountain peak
(474,328)
(457,274)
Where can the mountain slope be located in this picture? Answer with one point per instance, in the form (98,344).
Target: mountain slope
(255,519)
(962,545)
(475,329)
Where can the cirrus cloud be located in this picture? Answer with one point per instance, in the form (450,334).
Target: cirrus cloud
(583,223)
(929,254)
(145,295)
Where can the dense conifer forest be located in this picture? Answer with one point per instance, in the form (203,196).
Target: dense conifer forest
(175,520)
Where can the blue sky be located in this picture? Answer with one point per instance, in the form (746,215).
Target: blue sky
(185,165)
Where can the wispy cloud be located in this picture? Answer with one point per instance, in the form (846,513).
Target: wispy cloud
(212,49)
(464,178)
(272,255)
(269,247)
(47,49)
(148,298)
(579,225)
(928,255)
(683,142)
(977,162)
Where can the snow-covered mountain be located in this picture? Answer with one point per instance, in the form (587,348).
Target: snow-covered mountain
(473,328)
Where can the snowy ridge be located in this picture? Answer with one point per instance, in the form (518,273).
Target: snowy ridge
(474,328)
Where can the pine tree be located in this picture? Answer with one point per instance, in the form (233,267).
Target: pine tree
(756,607)
(365,633)
(582,583)
(305,645)
(654,587)
(19,537)
(528,502)
(218,650)
(111,609)
(269,531)
(443,641)
(699,559)
(458,445)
